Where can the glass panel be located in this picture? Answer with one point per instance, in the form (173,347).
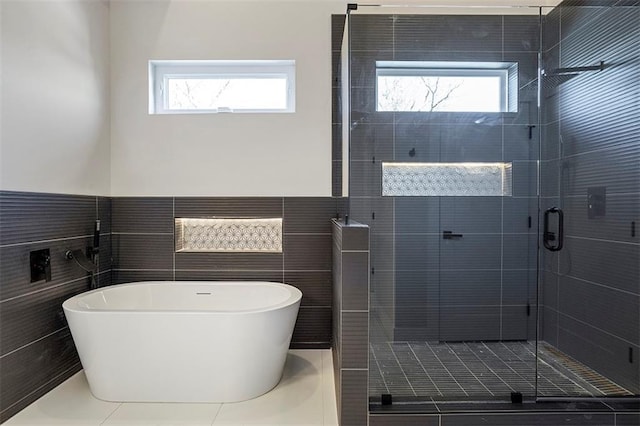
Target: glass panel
(454,285)
(590,169)
(458,294)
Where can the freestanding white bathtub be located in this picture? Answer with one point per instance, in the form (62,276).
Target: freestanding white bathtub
(183,341)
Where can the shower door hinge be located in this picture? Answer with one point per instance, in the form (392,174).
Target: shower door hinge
(373,215)
(516,397)
(373,271)
(528,309)
(530,222)
(633,229)
(386,399)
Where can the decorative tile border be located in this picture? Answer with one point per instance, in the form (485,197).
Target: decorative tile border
(446,179)
(229,235)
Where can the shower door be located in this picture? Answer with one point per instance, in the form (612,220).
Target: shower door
(453,266)
(590,197)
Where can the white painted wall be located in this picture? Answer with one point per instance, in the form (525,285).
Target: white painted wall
(221,154)
(61,132)
(55,96)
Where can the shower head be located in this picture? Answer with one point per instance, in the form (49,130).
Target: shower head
(551,81)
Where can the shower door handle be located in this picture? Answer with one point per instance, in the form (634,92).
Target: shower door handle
(448,235)
(548,236)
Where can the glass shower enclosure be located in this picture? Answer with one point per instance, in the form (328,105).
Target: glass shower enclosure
(495,157)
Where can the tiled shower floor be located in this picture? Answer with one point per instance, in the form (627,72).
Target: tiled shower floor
(478,370)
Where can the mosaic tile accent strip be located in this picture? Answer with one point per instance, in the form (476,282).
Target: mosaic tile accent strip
(229,235)
(446,179)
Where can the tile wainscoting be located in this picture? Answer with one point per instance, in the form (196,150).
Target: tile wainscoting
(137,243)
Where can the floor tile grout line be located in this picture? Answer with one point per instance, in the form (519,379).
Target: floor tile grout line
(560,374)
(563,375)
(217,412)
(508,366)
(469,370)
(489,367)
(120,404)
(472,358)
(403,363)
(401,369)
(445,368)
(525,364)
(375,358)
(535,360)
(539,359)
(425,370)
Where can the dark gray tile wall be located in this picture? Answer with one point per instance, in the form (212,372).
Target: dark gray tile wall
(140,248)
(370,139)
(497,255)
(37,352)
(591,290)
(351,320)
(143,249)
(354,402)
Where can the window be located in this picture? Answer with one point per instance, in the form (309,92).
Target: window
(178,87)
(446,86)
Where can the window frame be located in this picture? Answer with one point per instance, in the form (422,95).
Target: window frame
(501,70)
(160,72)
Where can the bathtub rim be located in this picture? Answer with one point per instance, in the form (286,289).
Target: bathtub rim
(71,305)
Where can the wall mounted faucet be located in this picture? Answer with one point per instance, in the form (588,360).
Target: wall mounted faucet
(88,261)
(81,259)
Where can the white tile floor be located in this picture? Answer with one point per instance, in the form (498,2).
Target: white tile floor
(305,396)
